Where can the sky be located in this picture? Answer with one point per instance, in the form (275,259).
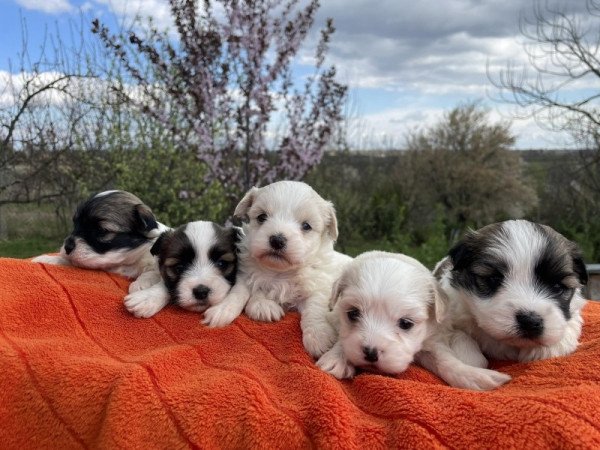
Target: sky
(406,62)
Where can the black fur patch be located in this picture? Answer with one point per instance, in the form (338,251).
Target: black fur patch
(118,220)
(175,255)
(474,267)
(224,253)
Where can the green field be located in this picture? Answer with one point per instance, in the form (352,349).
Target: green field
(28,247)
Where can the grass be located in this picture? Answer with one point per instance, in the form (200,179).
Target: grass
(30,230)
(28,247)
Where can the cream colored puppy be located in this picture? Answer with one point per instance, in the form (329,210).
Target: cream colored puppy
(385,306)
(287,260)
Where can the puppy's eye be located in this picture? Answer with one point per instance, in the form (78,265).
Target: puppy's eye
(487,285)
(179,268)
(261,218)
(353,314)
(405,324)
(559,289)
(106,237)
(221,264)
(306,226)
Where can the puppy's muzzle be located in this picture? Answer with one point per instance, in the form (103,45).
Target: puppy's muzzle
(371,354)
(201,293)
(69,245)
(531,324)
(278,242)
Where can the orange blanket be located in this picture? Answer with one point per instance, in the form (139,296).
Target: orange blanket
(78,371)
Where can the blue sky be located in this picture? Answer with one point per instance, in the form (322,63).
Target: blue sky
(406,62)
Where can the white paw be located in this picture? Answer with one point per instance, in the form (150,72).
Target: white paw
(479,379)
(318,340)
(145,303)
(51,259)
(336,365)
(221,315)
(144,281)
(264,310)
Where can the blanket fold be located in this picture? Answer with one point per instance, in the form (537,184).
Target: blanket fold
(79,371)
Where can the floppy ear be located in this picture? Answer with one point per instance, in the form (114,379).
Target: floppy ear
(144,218)
(579,266)
(337,288)
(440,302)
(331,221)
(241,210)
(158,244)
(460,254)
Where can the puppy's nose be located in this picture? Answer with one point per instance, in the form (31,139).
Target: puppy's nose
(370,354)
(201,292)
(531,324)
(277,241)
(69,245)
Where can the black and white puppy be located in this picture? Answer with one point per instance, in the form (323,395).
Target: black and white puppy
(198,266)
(514,292)
(112,231)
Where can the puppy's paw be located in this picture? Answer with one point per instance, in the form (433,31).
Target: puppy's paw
(336,365)
(51,259)
(144,281)
(220,315)
(144,303)
(318,340)
(264,310)
(478,379)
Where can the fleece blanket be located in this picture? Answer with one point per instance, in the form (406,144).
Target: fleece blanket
(78,371)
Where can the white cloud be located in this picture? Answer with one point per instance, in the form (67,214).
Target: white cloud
(47,6)
(128,10)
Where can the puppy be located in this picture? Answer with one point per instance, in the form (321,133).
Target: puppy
(514,292)
(112,231)
(385,306)
(287,260)
(198,266)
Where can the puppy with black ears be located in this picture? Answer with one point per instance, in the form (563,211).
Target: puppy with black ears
(514,292)
(287,260)
(198,266)
(112,231)
(385,305)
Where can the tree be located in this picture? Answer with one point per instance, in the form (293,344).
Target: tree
(559,89)
(564,54)
(225,88)
(465,164)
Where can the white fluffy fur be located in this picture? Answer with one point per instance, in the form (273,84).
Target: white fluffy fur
(301,276)
(384,288)
(476,326)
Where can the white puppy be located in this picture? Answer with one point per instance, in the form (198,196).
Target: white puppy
(112,231)
(385,306)
(514,292)
(287,260)
(198,265)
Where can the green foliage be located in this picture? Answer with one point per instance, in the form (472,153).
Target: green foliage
(171,182)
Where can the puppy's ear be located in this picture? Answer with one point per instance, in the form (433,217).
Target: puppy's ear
(158,244)
(462,253)
(331,221)
(144,219)
(578,265)
(241,210)
(337,288)
(439,306)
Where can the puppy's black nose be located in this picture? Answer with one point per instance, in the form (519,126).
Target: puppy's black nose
(201,292)
(370,354)
(531,324)
(69,245)
(277,241)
